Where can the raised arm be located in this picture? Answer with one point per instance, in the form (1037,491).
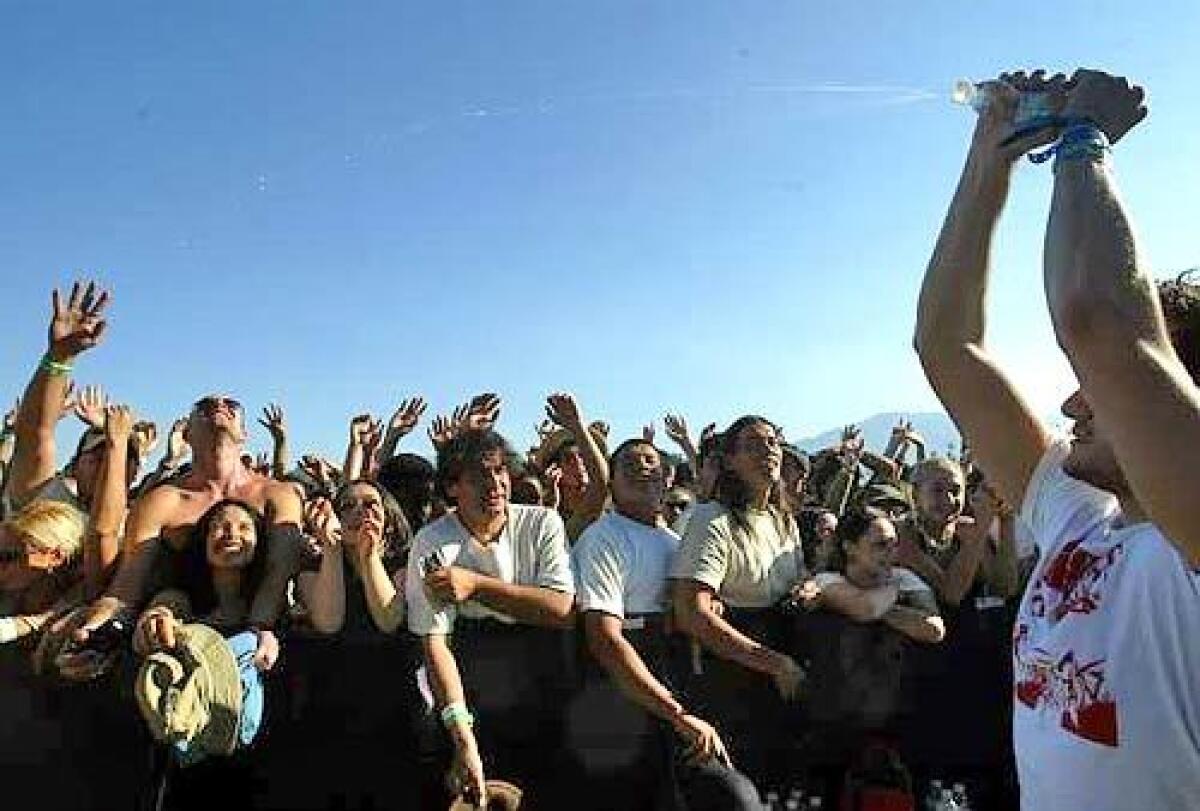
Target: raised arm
(324,593)
(677,431)
(76,325)
(273,420)
(949,337)
(102,547)
(1108,320)
(363,430)
(406,418)
(564,411)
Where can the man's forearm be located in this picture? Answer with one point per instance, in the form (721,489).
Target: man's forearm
(950,312)
(279,458)
(915,624)
(283,561)
(108,511)
(625,666)
(531,604)
(727,642)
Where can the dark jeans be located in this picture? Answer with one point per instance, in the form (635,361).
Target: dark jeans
(517,681)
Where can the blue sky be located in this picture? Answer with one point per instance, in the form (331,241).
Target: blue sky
(710,207)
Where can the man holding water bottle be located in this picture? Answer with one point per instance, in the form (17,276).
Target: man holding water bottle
(1106,660)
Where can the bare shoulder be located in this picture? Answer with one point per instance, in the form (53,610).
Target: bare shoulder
(281,501)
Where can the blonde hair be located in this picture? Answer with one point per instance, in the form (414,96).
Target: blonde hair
(50,526)
(935,464)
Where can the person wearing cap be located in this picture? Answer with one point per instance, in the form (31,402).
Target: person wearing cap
(659,746)
(490,593)
(740,557)
(578,454)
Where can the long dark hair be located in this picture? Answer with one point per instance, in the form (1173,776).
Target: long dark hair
(397,533)
(851,527)
(734,493)
(193,573)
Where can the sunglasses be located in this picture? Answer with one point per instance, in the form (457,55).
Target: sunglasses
(13,554)
(208,405)
(678,505)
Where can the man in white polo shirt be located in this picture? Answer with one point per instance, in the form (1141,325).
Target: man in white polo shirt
(495,578)
(621,567)
(1106,647)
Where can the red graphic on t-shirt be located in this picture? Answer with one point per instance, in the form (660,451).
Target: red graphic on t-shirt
(1072,582)
(1077,692)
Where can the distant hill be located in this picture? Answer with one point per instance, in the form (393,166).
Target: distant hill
(937,429)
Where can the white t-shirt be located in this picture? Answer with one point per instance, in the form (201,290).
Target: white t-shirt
(903,579)
(752,569)
(621,567)
(531,551)
(1106,656)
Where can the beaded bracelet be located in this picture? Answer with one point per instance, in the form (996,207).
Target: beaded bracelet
(457,712)
(55,367)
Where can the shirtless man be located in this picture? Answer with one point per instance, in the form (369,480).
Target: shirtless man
(216,431)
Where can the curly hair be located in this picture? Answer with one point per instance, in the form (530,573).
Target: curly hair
(1180,300)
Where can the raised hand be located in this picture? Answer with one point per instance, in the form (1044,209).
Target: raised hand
(442,431)
(482,412)
(319,470)
(322,523)
(708,432)
(273,420)
(90,406)
(648,433)
(407,416)
(145,437)
(262,463)
(996,128)
(78,324)
(1110,102)
(677,430)
(68,403)
(177,445)
(118,425)
(362,428)
(551,478)
(562,409)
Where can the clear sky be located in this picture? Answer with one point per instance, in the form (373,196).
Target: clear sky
(710,207)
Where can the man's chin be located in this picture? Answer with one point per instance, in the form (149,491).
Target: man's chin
(1082,470)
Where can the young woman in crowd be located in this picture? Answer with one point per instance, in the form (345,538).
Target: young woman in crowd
(351,669)
(740,556)
(964,685)
(870,611)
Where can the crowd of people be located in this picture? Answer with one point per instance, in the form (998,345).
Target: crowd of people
(602,623)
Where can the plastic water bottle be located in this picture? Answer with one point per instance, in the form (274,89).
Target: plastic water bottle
(959,794)
(933,797)
(773,801)
(816,803)
(1032,107)
(792,805)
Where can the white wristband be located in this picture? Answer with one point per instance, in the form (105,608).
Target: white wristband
(9,630)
